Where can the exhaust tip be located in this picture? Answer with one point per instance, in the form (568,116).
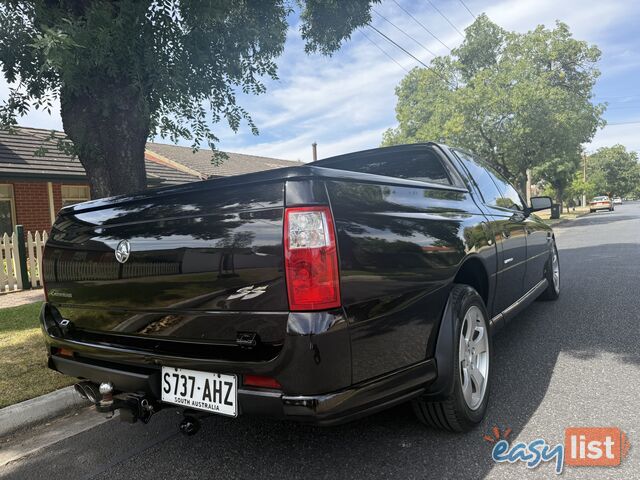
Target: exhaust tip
(80,391)
(88,390)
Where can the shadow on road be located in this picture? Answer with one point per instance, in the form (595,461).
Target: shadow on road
(602,218)
(390,444)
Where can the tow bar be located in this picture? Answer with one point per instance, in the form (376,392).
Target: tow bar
(133,407)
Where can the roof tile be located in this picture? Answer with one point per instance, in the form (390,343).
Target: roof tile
(201,161)
(18,159)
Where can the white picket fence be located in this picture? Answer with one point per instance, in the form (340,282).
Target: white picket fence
(10,268)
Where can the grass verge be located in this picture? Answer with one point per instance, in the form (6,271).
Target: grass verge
(23,358)
(572,214)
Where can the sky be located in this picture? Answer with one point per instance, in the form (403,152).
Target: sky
(345,102)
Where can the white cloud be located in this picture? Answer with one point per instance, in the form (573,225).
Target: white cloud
(299,148)
(628,135)
(345,102)
(586,20)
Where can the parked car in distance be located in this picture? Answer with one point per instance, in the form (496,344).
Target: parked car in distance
(318,293)
(617,201)
(602,202)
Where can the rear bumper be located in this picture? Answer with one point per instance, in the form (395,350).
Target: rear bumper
(315,391)
(326,409)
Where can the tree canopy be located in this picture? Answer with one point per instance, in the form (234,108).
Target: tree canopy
(124,70)
(613,171)
(518,100)
(559,173)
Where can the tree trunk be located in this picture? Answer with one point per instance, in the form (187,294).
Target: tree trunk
(521,185)
(109,127)
(559,197)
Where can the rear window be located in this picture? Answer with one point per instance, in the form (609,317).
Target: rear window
(424,165)
(600,199)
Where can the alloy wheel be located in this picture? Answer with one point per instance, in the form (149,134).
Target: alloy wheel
(555,267)
(474,357)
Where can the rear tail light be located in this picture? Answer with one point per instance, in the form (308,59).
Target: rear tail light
(311,259)
(261,382)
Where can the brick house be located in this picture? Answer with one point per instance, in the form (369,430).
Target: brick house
(35,184)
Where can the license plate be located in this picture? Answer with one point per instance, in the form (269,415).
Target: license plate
(212,392)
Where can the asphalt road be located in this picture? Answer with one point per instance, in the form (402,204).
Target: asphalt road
(574,362)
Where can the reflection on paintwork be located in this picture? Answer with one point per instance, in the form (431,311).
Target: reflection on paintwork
(399,246)
(161,325)
(184,257)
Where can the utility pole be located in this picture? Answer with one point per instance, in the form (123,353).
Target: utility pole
(528,186)
(314,146)
(584,178)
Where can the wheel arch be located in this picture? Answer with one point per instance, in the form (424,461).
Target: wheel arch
(473,272)
(444,351)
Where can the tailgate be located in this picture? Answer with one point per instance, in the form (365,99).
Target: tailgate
(195,264)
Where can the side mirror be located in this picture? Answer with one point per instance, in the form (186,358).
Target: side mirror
(540,203)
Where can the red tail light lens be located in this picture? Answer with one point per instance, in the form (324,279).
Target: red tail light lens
(261,382)
(311,259)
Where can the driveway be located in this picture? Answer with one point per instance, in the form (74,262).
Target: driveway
(574,362)
(23,297)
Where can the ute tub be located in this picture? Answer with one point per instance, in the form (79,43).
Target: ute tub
(189,252)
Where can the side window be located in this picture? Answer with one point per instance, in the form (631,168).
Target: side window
(510,198)
(424,165)
(494,189)
(480,175)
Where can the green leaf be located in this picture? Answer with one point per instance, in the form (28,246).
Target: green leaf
(521,101)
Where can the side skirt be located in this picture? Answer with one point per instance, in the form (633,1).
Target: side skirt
(516,307)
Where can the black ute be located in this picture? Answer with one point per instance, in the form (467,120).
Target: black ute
(317,293)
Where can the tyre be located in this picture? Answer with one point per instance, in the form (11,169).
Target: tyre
(466,406)
(552,274)
(591,211)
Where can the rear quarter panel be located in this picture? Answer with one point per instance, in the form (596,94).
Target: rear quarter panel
(400,249)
